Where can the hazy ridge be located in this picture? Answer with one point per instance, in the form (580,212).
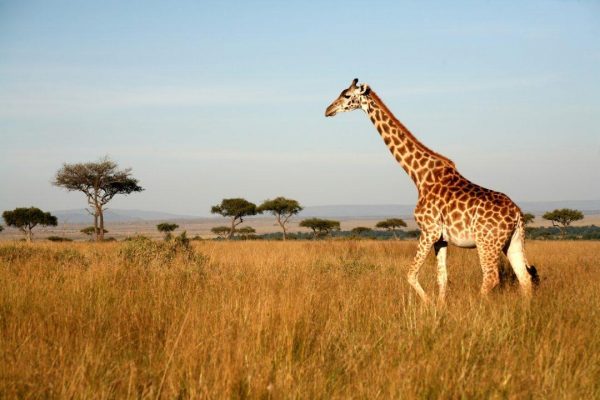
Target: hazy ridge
(588,207)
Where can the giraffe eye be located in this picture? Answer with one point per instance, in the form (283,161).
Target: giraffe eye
(347,96)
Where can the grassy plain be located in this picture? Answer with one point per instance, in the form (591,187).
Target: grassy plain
(329,319)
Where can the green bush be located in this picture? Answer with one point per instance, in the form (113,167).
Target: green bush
(58,239)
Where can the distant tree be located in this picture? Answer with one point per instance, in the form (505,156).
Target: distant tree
(391,224)
(283,209)
(25,219)
(528,218)
(360,230)
(246,232)
(167,228)
(100,181)
(222,232)
(1,228)
(563,217)
(320,227)
(236,209)
(90,230)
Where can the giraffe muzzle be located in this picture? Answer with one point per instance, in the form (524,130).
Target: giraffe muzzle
(330,112)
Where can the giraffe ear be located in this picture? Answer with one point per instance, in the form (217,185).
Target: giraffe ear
(364,89)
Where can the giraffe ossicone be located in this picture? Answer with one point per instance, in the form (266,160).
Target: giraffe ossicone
(450,208)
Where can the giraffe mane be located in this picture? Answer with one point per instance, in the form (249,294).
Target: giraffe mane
(408,133)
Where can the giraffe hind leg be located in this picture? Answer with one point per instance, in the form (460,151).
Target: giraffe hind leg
(488,257)
(441,248)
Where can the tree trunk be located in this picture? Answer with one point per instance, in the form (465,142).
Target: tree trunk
(96,238)
(29,234)
(231,230)
(282,227)
(101,218)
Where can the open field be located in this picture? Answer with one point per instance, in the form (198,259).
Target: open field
(328,319)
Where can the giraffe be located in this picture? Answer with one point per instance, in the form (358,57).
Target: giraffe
(450,208)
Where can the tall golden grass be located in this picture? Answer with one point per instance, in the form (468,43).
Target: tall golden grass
(291,320)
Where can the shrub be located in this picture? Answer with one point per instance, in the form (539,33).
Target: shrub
(58,239)
(145,252)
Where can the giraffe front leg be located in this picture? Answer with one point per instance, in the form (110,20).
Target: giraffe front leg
(426,240)
(441,248)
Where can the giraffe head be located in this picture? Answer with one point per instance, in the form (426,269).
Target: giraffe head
(350,99)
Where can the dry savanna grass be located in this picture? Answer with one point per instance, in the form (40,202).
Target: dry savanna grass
(330,319)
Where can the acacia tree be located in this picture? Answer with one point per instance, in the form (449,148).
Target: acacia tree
(283,209)
(166,228)
(562,218)
(222,232)
(236,209)
(391,225)
(100,181)
(246,232)
(360,230)
(528,218)
(25,219)
(320,227)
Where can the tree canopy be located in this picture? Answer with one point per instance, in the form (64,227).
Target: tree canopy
(283,209)
(166,227)
(528,218)
(391,224)
(25,219)
(360,230)
(236,209)
(563,217)
(100,181)
(246,232)
(320,227)
(221,231)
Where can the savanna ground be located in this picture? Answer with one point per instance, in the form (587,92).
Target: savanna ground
(327,319)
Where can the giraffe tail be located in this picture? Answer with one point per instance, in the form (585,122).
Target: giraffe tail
(531,269)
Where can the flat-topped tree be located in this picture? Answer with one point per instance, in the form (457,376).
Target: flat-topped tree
(528,218)
(320,227)
(283,209)
(360,230)
(25,219)
(391,225)
(166,228)
(222,232)
(563,217)
(236,209)
(246,232)
(100,181)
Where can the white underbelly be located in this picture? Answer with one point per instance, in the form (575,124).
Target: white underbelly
(463,239)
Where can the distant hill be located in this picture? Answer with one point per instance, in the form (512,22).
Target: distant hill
(588,207)
(358,211)
(78,216)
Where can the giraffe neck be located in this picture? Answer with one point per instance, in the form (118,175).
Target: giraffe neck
(423,165)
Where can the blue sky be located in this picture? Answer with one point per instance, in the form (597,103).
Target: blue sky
(206,100)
